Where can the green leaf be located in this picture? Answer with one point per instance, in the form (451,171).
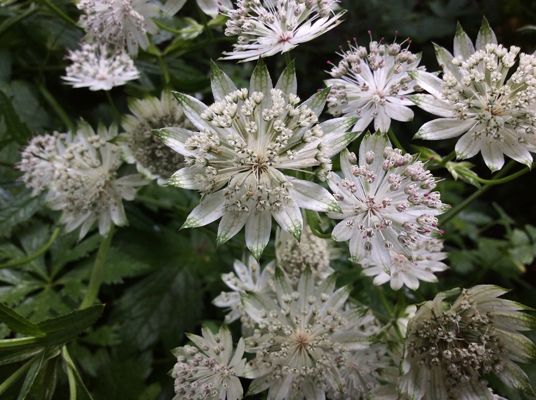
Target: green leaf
(5,65)
(485,35)
(261,82)
(24,99)
(19,209)
(15,127)
(30,377)
(105,335)
(287,82)
(67,249)
(151,392)
(17,323)
(222,85)
(9,355)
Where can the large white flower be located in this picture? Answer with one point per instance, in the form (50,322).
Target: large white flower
(96,67)
(373,85)
(448,351)
(209,371)
(86,186)
(209,7)
(387,203)
(268,27)
(302,338)
(242,143)
(119,23)
(495,116)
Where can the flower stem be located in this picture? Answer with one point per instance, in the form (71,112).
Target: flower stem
(35,255)
(444,160)
(387,307)
(506,178)
(57,108)
(165,70)
(12,21)
(287,58)
(18,374)
(204,21)
(112,104)
(70,374)
(98,270)
(395,141)
(60,13)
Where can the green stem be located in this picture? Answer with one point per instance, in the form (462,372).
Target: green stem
(287,58)
(382,317)
(464,204)
(98,270)
(395,141)
(386,305)
(112,104)
(35,255)
(205,24)
(18,341)
(165,70)
(60,13)
(12,21)
(70,374)
(505,179)
(162,204)
(18,374)
(420,298)
(444,161)
(57,108)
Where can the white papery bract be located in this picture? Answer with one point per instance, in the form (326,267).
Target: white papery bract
(299,337)
(448,351)
(387,205)
(119,23)
(268,27)
(373,85)
(86,186)
(209,7)
(495,116)
(97,68)
(153,159)
(242,143)
(209,371)
(245,278)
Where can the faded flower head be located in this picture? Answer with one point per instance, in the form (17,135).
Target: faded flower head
(245,279)
(119,23)
(388,207)
(301,337)
(373,85)
(495,116)
(294,256)
(209,7)
(266,27)
(242,143)
(209,371)
(153,159)
(449,350)
(86,186)
(96,67)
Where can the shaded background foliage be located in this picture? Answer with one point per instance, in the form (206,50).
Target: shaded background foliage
(159,282)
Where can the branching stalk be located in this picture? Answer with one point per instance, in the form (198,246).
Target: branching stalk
(35,255)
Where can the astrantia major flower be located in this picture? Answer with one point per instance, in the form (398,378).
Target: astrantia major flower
(98,68)
(496,116)
(448,351)
(86,186)
(119,23)
(387,203)
(301,337)
(209,371)
(209,7)
(153,159)
(242,143)
(373,85)
(268,27)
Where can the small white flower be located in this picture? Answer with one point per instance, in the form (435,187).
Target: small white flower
(86,187)
(243,142)
(209,371)
(448,352)
(269,27)
(495,116)
(387,203)
(153,159)
(373,85)
(209,7)
(119,23)
(97,68)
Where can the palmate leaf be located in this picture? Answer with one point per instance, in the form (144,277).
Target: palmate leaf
(18,209)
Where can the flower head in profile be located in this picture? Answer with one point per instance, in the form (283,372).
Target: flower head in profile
(493,115)
(387,203)
(86,185)
(449,350)
(119,23)
(209,7)
(301,337)
(153,159)
(268,27)
(209,371)
(242,143)
(373,85)
(96,67)
(245,279)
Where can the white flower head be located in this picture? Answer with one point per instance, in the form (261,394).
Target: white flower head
(402,270)
(96,67)
(495,116)
(241,144)
(209,7)
(387,203)
(86,186)
(448,352)
(294,256)
(301,337)
(209,371)
(268,27)
(245,278)
(373,85)
(153,159)
(119,23)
